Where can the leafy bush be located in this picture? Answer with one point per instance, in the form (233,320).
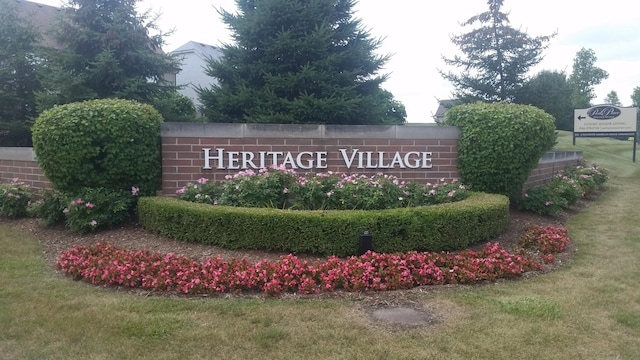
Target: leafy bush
(589,177)
(204,192)
(50,207)
(92,208)
(500,144)
(266,188)
(174,107)
(284,188)
(108,143)
(564,190)
(543,200)
(14,199)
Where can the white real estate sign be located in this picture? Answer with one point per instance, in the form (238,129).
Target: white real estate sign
(605,120)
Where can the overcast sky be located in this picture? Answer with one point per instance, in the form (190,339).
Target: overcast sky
(417,34)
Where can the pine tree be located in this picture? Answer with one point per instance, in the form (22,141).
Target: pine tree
(298,61)
(496,57)
(18,75)
(107,51)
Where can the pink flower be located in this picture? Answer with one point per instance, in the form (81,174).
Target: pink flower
(432,192)
(93,223)
(202,180)
(181,191)
(285,190)
(89,205)
(548,203)
(526,195)
(134,191)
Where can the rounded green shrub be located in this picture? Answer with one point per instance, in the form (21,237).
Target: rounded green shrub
(107,143)
(500,144)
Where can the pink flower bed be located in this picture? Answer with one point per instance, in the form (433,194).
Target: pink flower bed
(105,264)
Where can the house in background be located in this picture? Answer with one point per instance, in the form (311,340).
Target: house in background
(443,106)
(194,57)
(43,18)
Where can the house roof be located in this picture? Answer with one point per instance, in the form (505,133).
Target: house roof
(204,51)
(443,106)
(42,17)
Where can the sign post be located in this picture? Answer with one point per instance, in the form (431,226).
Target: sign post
(606,121)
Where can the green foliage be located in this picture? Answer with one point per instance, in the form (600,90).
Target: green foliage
(543,200)
(564,191)
(15,133)
(14,199)
(443,227)
(107,52)
(296,62)
(612,98)
(500,144)
(584,77)
(18,75)
(113,144)
(174,107)
(284,188)
(496,57)
(549,91)
(50,207)
(94,208)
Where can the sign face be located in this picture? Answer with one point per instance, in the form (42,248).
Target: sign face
(605,120)
(307,160)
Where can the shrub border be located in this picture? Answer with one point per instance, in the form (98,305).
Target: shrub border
(444,227)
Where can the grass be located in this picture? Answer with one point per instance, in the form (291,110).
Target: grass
(589,309)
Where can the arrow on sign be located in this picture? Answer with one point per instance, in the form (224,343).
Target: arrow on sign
(580,117)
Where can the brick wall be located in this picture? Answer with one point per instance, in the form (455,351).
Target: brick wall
(20,163)
(550,164)
(183,158)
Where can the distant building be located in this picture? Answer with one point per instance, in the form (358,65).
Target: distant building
(43,18)
(194,57)
(443,106)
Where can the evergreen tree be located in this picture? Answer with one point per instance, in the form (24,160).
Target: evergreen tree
(298,61)
(107,51)
(18,75)
(496,57)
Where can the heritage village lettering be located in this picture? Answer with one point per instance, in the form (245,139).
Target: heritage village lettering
(307,160)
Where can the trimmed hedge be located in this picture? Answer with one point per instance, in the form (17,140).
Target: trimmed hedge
(106,143)
(500,144)
(451,226)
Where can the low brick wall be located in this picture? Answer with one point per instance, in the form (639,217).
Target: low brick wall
(423,153)
(186,146)
(20,163)
(551,163)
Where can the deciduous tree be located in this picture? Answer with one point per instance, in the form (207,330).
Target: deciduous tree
(549,91)
(584,77)
(612,98)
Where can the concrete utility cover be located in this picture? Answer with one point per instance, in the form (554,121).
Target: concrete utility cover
(401,315)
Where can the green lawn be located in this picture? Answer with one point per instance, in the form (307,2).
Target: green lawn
(589,309)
